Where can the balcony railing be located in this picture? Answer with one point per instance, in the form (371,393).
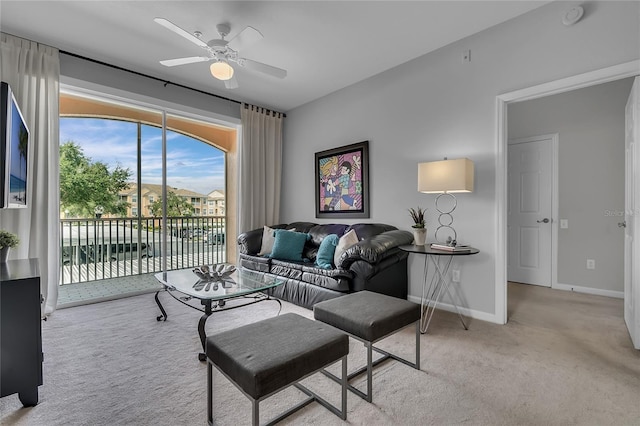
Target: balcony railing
(94,249)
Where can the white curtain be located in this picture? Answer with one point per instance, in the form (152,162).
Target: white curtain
(260,168)
(32,70)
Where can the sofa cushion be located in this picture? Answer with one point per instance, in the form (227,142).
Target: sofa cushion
(288,245)
(300,226)
(319,232)
(268,238)
(286,268)
(368,230)
(255,263)
(346,241)
(335,279)
(324,258)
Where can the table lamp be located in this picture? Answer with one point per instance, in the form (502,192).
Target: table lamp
(446,177)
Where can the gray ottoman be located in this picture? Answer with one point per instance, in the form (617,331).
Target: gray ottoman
(264,357)
(370,317)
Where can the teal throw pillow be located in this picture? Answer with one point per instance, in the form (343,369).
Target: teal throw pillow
(327,249)
(288,245)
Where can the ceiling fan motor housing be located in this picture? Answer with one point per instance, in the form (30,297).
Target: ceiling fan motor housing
(217,44)
(223,30)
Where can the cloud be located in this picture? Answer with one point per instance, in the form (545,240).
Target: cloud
(191,164)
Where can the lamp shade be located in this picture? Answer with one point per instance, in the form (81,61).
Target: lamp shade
(221,70)
(446,176)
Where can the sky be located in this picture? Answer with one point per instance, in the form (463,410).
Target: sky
(191,164)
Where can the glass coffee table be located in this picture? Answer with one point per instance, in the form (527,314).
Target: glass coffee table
(213,291)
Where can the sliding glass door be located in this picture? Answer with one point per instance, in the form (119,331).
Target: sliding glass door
(111,186)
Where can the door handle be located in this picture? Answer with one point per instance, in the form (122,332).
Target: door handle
(545,220)
(622,224)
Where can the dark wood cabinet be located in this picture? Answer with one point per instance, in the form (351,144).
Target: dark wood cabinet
(20,330)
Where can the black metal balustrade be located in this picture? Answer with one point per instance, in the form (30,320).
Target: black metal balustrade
(94,249)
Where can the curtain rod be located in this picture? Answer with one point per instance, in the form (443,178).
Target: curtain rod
(75,55)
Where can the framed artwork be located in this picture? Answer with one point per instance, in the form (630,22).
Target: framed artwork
(342,182)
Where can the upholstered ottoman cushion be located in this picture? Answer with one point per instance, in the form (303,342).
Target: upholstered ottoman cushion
(367,315)
(266,356)
(370,317)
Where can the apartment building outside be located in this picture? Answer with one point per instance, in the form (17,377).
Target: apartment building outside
(204,205)
(216,203)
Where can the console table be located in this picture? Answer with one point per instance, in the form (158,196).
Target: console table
(20,330)
(439,283)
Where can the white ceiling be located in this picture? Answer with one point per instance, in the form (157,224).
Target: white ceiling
(324,45)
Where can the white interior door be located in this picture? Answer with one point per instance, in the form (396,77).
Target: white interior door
(632,215)
(530,209)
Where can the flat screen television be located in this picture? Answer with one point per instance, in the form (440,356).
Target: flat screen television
(14,150)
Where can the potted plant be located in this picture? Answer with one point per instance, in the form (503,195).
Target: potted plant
(7,240)
(419,228)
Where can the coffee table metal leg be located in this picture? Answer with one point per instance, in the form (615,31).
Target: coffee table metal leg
(203,320)
(162,317)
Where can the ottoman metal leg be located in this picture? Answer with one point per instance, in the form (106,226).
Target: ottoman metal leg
(209,393)
(255,412)
(312,396)
(370,363)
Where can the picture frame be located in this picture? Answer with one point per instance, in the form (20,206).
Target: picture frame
(342,181)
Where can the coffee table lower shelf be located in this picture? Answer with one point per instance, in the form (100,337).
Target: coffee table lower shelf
(243,286)
(209,308)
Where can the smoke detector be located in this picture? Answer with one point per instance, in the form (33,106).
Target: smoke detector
(572,16)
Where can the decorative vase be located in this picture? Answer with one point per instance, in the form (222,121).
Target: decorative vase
(4,254)
(419,236)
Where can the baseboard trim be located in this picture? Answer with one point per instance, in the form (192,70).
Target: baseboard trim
(471,313)
(589,290)
(489,317)
(104,298)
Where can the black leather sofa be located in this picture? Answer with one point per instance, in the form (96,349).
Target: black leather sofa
(375,263)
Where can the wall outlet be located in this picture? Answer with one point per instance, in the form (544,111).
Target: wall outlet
(591,264)
(564,223)
(466,56)
(455,276)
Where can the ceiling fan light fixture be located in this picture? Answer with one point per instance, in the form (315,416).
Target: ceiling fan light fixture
(221,70)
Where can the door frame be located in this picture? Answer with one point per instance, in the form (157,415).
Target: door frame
(555,221)
(604,75)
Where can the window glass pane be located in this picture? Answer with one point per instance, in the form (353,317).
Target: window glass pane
(95,166)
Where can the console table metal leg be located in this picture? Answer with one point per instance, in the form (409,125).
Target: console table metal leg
(447,284)
(428,296)
(438,287)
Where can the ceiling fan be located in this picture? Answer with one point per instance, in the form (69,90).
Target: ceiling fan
(223,52)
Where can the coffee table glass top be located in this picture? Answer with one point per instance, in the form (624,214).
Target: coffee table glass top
(196,284)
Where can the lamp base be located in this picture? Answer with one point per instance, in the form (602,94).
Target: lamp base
(445,233)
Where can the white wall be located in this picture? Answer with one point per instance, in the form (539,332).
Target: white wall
(590,124)
(436,106)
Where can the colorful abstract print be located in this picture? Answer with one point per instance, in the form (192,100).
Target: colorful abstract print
(341,182)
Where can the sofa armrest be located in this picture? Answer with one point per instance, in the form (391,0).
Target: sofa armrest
(376,248)
(250,242)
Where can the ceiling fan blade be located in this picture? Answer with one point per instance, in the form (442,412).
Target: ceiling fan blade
(183,61)
(176,29)
(232,83)
(245,38)
(264,68)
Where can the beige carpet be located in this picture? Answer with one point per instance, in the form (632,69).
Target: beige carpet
(564,358)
